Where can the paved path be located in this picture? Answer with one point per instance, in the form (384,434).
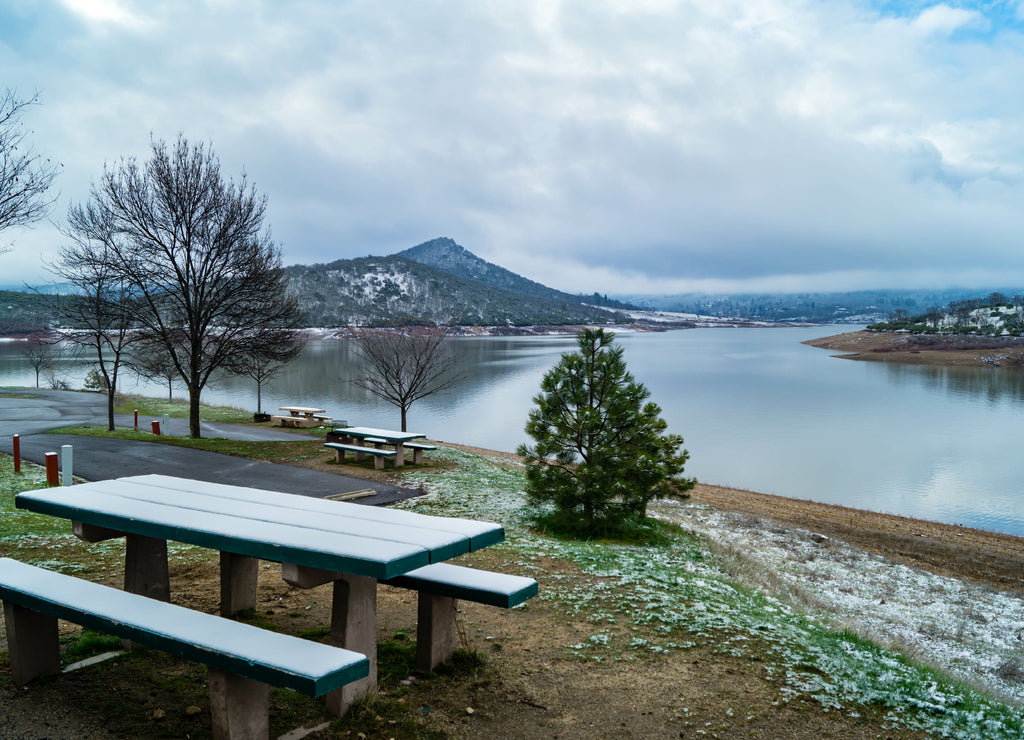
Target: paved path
(99,458)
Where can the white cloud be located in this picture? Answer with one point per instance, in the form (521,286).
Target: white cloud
(944,19)
(106,12)
(659,143)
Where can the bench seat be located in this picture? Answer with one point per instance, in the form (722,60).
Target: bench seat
(469,584)
(416,447)
(361,452)
(300,422)
(242,660)
(439,586)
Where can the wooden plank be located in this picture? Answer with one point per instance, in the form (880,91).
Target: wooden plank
(282,660)
(480,534)
(339,551)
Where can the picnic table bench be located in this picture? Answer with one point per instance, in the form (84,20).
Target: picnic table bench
(361,452)
(439,585)
(242,660)
(356,545)
(417,448)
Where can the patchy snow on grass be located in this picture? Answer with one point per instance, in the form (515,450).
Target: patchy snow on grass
(663,599)
(972,632)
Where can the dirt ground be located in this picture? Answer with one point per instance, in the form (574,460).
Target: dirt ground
(528,685)
(926,349)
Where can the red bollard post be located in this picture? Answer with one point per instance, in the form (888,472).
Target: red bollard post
(156,427)
(17,453)
(52,475)
(136,420)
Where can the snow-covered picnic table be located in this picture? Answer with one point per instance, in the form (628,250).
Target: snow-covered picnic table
(316,540)
(381,436)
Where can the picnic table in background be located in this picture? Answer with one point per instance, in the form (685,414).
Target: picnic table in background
(302,416)
(386,436)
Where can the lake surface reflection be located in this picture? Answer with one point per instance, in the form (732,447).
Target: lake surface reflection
(758,410)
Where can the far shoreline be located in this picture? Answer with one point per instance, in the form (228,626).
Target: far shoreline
(941,350)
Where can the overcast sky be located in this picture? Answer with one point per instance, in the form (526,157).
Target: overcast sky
(623,146)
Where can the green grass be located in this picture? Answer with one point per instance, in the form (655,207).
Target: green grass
(178,408)
(87,644)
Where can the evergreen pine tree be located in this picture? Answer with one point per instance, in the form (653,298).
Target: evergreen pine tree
(600,453)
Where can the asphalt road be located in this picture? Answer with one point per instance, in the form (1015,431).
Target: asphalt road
(31,413)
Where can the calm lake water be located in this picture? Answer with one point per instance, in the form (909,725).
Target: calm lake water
(758,409)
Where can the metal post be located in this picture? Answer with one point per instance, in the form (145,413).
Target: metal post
(166,424)
(17,453)
(66,464)
(136,420)
(52,476)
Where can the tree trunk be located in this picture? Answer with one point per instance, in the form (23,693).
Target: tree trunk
(110,408)
(193,414)
(404,412)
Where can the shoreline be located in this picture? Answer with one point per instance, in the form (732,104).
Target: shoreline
(938,350)
(992,559)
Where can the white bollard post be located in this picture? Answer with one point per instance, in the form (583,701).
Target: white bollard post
(166,424)
(66,465)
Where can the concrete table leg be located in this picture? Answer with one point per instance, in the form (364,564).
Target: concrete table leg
(145,570)
(145,567)
(238,576)
(239,706)
(31,642)
(354,627)
(399,454)
(92,533)
(435,631)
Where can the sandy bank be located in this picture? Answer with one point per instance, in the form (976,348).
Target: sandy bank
(925,349)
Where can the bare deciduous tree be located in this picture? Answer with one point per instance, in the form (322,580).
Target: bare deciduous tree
(261,366)
(402,368)
(97,316)
(194,249)
(24,176)
(38,350)
(151,360)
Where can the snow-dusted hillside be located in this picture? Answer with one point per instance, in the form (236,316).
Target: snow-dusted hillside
(382,291)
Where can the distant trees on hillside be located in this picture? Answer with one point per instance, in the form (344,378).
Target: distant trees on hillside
(993,315)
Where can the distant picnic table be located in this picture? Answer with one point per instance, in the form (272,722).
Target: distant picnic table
(372,435)
(302,416)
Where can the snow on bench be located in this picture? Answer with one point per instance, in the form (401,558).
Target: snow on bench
(439,585)
(242,660)
(416,447)
(361,452)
